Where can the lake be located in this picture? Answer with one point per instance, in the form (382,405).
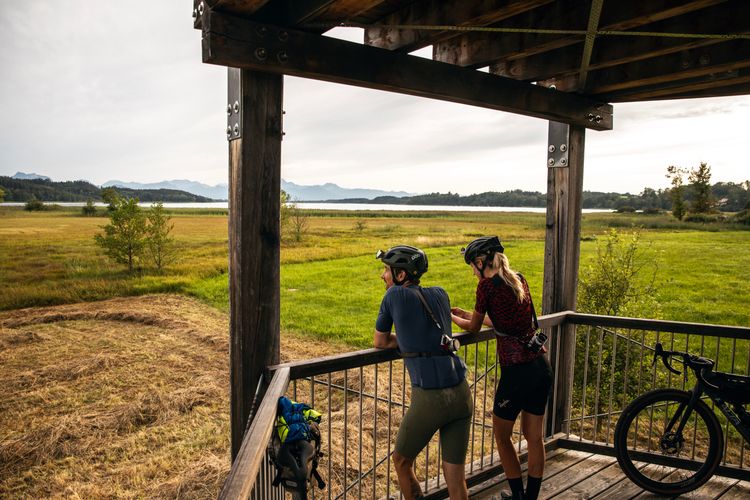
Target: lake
(345,206)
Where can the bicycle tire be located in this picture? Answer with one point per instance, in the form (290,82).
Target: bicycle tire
(703,425)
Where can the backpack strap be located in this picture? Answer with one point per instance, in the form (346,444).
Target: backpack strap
(426,354)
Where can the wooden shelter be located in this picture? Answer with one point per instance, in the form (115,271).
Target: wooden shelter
(564,61)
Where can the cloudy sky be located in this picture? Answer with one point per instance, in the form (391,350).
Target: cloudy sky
(102,90)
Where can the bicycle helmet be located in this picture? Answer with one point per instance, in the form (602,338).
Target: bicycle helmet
(486,245)
(410,259)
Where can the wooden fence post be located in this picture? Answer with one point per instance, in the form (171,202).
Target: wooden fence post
(255,107)
(561,255)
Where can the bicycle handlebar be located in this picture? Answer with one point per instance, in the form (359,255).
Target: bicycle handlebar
(698,364)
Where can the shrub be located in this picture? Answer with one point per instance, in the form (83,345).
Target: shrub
(652,211)
(34,205)
(360,225)
(89,209)
(159,245)
(742,217)
(702,218)
(625,209)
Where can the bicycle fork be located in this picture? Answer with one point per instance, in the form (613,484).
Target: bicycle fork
(671,441)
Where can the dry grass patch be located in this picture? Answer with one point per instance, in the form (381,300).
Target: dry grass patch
(126,397)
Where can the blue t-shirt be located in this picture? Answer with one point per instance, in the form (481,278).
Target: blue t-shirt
(416,332)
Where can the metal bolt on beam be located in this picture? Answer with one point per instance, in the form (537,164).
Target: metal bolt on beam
(551,162)
(201,8)
(563,161)
(236,130)
(563,147)
(229,109)
(229,132)
(283,36)
(551,148)
(261,54)
(236,107)
(282,57)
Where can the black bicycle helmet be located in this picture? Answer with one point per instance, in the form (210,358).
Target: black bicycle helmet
(485,245)
(410,259)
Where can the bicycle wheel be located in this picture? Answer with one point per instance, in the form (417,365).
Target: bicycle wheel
(646,434)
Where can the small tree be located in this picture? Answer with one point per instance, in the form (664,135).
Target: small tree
(89,209)
(700,185)
(300,222)
(159,245)
(110,197)
(284,210)
(125,235)
(677,193)
(2,194)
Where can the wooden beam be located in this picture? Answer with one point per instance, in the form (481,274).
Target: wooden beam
(481,49)
(715,59)
(441,13)
(254,202)
(712,85)
(235,42)
(561,257)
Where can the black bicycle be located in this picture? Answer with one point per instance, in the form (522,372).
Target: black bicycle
(678,429)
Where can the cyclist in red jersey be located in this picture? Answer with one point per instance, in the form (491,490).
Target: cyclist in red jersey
(503,301)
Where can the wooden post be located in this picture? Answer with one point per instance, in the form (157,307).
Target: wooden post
(254,235)
(561,255)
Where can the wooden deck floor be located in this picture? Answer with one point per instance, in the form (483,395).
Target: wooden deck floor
(573,474)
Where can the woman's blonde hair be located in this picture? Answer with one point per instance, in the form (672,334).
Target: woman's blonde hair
(508,275)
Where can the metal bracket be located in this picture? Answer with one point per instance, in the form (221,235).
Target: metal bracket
(234,106)
(558,145)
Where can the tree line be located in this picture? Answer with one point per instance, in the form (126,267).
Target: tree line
(24,190)
(725,196)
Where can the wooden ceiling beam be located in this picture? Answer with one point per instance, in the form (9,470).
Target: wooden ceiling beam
(441,13)
(732,83)
(240,43)
(719,58)
(616,50)
(293,12)
(480,49)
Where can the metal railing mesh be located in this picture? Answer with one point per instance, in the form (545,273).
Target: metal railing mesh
(615,365)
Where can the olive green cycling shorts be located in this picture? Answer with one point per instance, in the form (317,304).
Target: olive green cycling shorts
(446,410)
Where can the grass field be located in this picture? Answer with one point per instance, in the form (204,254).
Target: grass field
(330,286)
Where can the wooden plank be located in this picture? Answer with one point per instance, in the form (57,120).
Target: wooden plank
(441,13)
(481,49)
(236,42)
(706,86)
(596,483)
(740,491)
(561,256)
(558,461)
(714,488)
(616,50)
(254,190)
(246,465)
(575,474)
(628,489)
(716,59)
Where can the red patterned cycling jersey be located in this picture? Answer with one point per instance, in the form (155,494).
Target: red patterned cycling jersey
(509,317)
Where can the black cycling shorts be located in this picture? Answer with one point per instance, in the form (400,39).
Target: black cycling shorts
(525,386)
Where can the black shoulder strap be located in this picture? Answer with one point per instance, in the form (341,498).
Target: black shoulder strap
(427,307)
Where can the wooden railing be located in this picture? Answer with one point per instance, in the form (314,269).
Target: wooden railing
(363,396)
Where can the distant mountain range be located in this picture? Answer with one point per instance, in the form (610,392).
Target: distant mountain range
(28,177)
(298,192)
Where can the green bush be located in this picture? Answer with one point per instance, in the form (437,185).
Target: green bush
(742,217)
(652,211)
(625,209)
(89,209)
(34,205)
(702,218)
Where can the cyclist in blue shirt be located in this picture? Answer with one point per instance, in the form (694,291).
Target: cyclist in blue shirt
(440,396)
